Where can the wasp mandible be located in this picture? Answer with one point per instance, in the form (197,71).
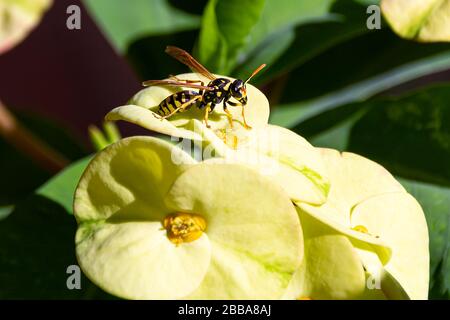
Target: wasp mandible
(218,90)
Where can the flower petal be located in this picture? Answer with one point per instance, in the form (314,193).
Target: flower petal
(423,20)
(136,260)
(295,152)
(119,206)
(399,221)
(325,213)
(288,168)
(252,225)
(331,268)
(355,178)
(147,119)
(128,180)
(18,18)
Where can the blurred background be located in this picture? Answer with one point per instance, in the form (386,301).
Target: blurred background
(329,78)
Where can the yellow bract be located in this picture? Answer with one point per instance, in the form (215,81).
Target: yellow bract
(262,214)
(422,20)
(150,227)
(18,18)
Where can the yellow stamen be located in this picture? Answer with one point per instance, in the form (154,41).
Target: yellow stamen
(184,227)
(361,229)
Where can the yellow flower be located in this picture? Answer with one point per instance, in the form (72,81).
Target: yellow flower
(385,226)
(154,224)
(18,18)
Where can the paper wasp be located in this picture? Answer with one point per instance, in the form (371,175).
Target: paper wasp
(218,90)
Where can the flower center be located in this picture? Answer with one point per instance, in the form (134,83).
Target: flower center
(184,227)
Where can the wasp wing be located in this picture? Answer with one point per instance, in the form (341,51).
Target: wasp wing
(174,83)
(189,60)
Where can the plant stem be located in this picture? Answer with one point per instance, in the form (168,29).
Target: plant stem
(26,142)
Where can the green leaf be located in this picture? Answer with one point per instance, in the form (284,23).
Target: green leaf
(147,54)
(435,202)
(123,22)
(225,28)
(37,247)
(368,2)
(194,7)
(368,65)
(337,136)
(19,175)
(320,28)
(424,20)
(409,135)
(281,14)
(61,188)
(5,211)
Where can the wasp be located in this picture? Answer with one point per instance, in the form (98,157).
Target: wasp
(218,90)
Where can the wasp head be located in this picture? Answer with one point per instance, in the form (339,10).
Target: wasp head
(239,91)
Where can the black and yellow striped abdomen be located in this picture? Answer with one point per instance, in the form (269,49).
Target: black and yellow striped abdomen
(168,105)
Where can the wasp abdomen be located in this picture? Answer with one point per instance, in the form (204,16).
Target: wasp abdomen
(168,105)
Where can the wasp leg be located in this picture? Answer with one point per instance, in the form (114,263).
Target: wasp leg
(182,107)
(229,115)
(243,117)
(243,113)
(205,118)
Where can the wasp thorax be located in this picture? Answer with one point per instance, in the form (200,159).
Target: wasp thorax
(184,227)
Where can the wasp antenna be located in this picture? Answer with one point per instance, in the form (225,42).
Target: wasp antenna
(256,72)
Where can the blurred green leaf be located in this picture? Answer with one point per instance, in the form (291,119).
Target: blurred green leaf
(336,136)
(376,54)
(355,71)
(281,14)
(410,135)
(37,247)
(275,33)
(368,2)
(425,20)
(149,60)
(61,188)
(225,29)
(193,7)
(320,29)
(5,211)
(20,176)
(435,202)
(125,21)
